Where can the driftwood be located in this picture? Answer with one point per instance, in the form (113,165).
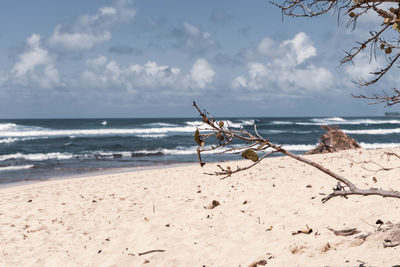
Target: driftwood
(333,140)
(254,141)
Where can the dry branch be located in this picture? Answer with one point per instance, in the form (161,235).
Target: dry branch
(381,168)
(392,154)
(383,98)
(385,40)
(151,251)
(261,145)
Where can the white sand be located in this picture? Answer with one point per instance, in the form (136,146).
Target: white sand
(108,220)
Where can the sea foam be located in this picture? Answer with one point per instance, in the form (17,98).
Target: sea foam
(7,126)
(36,156)
(373,131)
(16,168)
(341,121)
(8,140)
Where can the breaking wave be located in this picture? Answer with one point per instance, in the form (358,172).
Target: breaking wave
(43,132)
(341,121)
(379,145)
(7,126)
(227,123)
(8,140)
(282,122)
(151,135)
(16,168)
(160,124)
(373,131)
(36,156)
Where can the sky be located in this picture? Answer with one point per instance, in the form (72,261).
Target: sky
(152,58)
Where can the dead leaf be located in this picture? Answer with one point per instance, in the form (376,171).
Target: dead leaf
(294,249)
(307,231)
(197,138)
(212,205)
(326,247)
(257,263)
(250,154)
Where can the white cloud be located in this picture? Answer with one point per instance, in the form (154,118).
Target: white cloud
(301,47)
(287,69)
(77,40)
(202,73)
(90,30)
(362,67)
(3,78)
(97,62)
(49,78)
(372,17)
(239,81)
(149,76)
(194,40)
(266,47)
(35,65)
(108,11)
(257,70)
(191,29)
(310,78)
(34,56)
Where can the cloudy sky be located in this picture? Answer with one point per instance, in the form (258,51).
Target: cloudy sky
(152,58)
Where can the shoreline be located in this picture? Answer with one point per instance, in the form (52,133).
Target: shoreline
(114,219)
(88,175)
(127,170)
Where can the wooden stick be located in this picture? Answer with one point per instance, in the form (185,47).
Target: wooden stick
(151,251)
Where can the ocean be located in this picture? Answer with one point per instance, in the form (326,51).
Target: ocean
(39,149)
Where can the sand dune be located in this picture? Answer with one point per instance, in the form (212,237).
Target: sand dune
(113,220)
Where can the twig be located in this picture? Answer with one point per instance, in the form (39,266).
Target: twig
(392,154)
(264,144)
(378,41)
(151,251)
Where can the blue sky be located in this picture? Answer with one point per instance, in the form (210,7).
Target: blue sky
(152,58)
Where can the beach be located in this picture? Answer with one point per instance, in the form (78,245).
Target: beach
(269,214)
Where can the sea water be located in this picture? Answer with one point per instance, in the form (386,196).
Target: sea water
(43,148)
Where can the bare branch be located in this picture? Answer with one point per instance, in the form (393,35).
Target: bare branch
(256,144)
(378,41)
(384,98)
(379,74)
(392,154)
(363,192)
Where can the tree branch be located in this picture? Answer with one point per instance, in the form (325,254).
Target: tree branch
(260,145)
(378,41)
